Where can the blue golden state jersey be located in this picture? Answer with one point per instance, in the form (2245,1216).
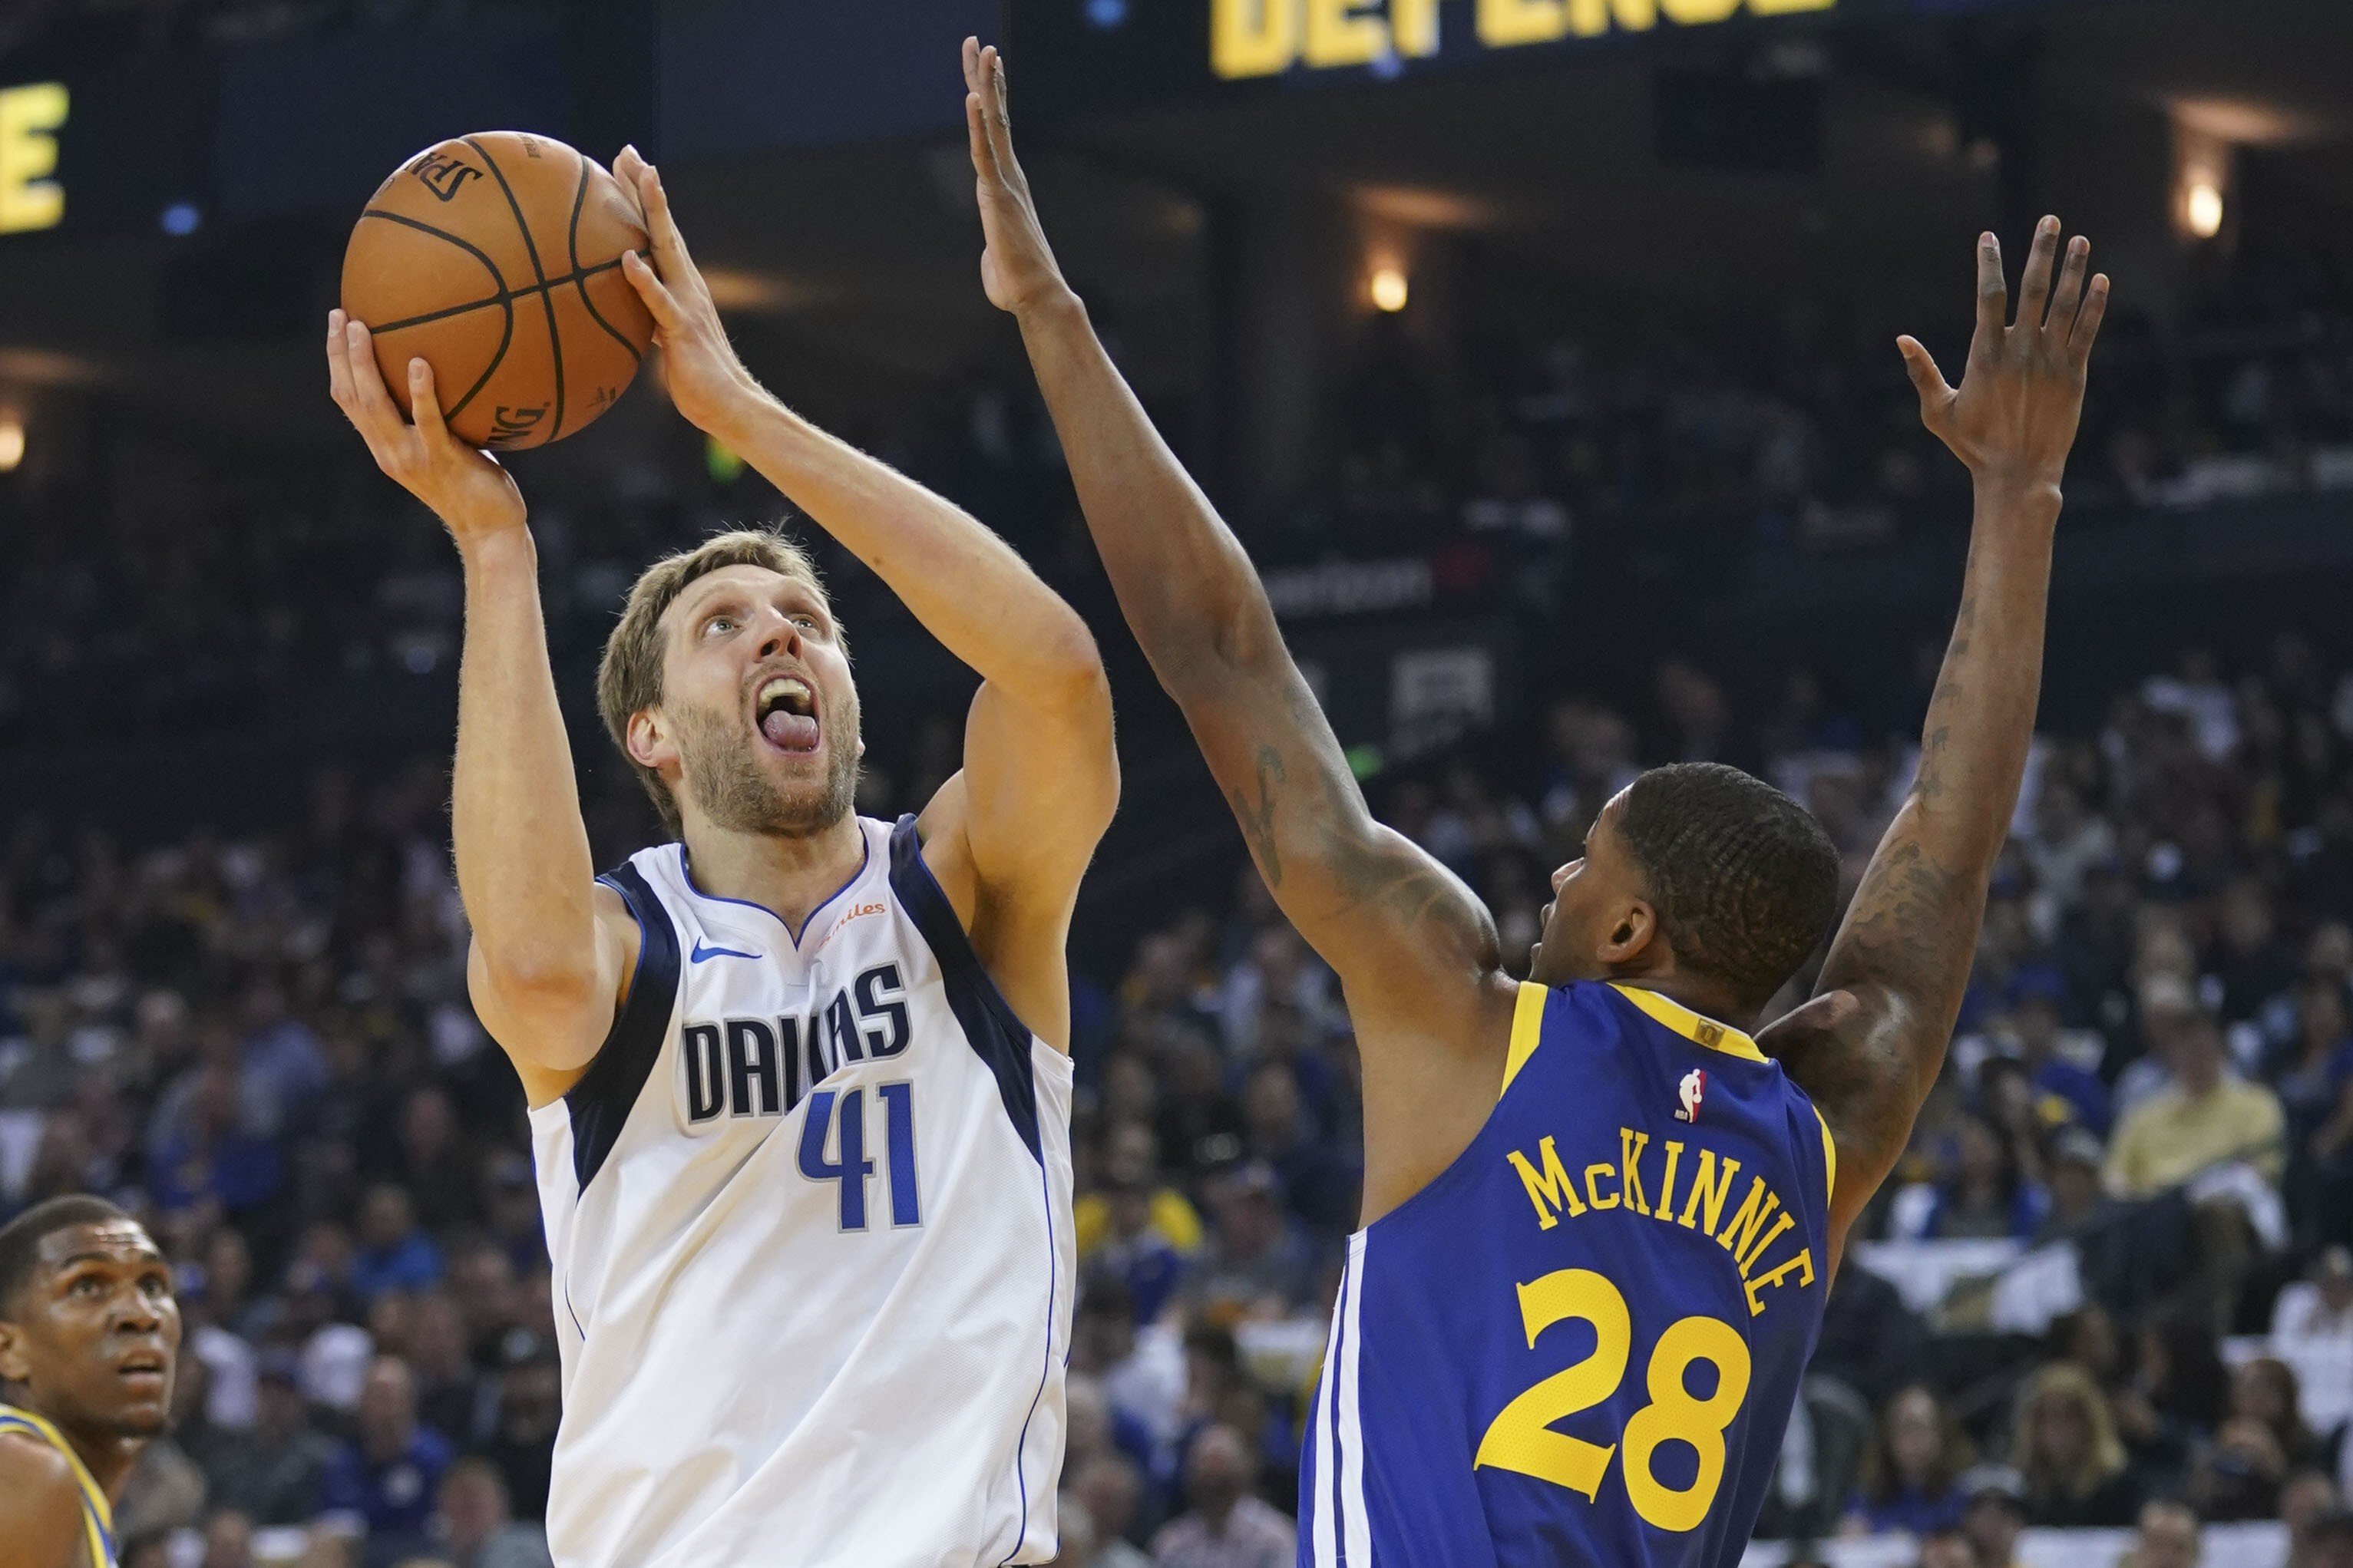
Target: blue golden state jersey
(1581,1342)
(97,1514)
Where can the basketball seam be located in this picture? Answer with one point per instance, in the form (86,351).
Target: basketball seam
(503,296)
(531,249)
(579,279)
(506,307)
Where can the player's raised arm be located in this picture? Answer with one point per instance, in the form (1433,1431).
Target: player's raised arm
(551,950)
(1011,836)
(1892,985)
(1415,950)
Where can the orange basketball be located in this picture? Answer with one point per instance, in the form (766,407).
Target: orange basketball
(496,258)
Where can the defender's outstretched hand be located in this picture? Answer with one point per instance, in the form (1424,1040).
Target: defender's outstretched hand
(468,490)
(2014,415)
(1017,266)
(705,379)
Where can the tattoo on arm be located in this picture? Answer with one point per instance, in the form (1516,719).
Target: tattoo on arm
(1258,821)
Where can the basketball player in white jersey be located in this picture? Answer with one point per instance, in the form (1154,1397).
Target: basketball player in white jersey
(799,1091)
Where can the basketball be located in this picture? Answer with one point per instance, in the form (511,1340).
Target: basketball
(496,258)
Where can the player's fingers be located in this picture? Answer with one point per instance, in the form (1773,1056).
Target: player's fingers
(339,369)
(984,151)
(1993,294)
(2087,322)
(2034,288)
(660,302)
(972,65)
(999,118)
(425,404)
(669,243)
(1926,379)
(379,417)
(2068,297)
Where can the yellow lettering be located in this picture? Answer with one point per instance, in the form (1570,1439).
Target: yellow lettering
(1414,25)
(1667,1186)
(1630,1145)
(1252,37)
(1775,1275)
(1504,23)
(1590,18)
(1550,1189)
(1783,8)
(1593,1198)
(1781,1222)
(1694,14)
(1741,1232)
(29,119)
(1711,1194)
(1340,34)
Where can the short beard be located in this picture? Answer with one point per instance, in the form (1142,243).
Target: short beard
(714,755)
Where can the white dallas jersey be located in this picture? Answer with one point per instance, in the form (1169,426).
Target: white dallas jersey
(811,1216)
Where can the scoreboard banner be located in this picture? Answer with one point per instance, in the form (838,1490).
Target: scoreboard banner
(1085,54)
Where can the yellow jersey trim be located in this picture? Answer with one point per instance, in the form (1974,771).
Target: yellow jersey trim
(1707,1032)
(1830,1150)
(97,1513)
(1527,1029)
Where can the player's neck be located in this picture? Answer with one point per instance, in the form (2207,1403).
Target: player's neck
(788,875)
(1713,1003)
(107,1456)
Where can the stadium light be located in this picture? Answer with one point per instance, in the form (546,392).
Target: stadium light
(2201,209)
(12,443)
(1389,291)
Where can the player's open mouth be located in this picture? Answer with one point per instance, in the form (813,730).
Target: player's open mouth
(145,1371)
(787,713)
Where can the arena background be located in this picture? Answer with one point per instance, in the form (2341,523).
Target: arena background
(1552,383)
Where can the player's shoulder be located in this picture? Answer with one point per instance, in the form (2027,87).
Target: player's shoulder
(40,1497)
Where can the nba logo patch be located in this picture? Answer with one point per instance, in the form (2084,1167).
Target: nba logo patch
(1693,1089)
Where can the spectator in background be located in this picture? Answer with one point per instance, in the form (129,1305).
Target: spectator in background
(1111,1488)
(1226,1526)
(2318,1308)
(1982,1193)
(2327,1543)
(386,1476)
(1946,1548)
(271,1473)
(1257,1261)
(2066,1087)
(1910,1471)
(2204,1117)
(522,1437)
(1320,1186)
(1994,1515)
(474,1527)
(394,1253)
(228,1541)
(2265,1391)
(2066,1447)
(1135,1227)
(2167,1536)
(2307,1498)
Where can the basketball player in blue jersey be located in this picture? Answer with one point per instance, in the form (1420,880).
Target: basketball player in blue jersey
(90,1339)
(798,1081)
(1599,1217)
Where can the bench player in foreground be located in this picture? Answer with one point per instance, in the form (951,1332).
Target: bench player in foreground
(1599,1219)
(90,1339)
(800,1093)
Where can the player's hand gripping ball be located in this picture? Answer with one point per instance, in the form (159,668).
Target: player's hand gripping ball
(496,258)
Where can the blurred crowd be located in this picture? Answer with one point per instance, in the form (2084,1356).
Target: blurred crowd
(1807,435)
(262,1041)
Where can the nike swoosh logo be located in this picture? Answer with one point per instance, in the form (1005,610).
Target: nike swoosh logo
(701,953)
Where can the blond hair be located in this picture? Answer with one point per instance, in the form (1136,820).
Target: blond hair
(630,675)
(2105,1457)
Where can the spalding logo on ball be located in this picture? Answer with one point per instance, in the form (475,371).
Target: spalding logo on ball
(496,258)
